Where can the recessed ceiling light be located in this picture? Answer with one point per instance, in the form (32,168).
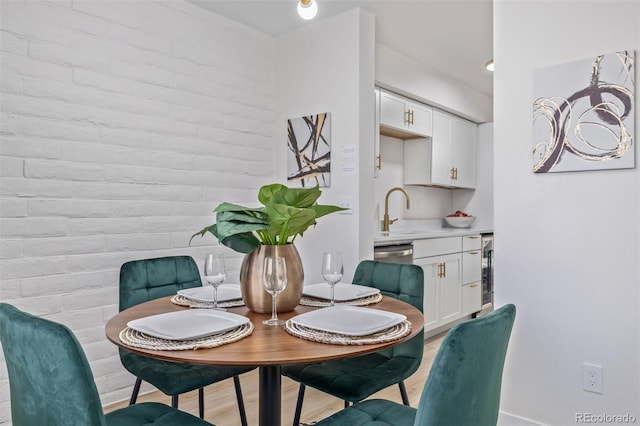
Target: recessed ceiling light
(489,65)
(307,9)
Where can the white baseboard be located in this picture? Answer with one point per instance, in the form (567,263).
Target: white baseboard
(509,419)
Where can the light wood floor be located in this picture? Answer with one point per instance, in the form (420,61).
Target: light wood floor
(222,410)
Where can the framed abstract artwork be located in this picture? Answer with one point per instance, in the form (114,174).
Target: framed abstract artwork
(309,150)
(583,114)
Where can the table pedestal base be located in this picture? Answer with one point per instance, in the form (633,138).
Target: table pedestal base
(270,390)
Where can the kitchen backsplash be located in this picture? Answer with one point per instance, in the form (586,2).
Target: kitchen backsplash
(430,203)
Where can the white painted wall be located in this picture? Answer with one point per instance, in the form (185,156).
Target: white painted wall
(405,76)
(327,66)
(567,244)
(123,125)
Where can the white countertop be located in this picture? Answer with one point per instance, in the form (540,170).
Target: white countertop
(410,230)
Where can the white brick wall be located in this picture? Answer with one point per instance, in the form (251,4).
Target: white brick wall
(123,125)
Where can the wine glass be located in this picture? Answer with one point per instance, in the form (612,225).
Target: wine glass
(332,271)
(275,281)
(215,274)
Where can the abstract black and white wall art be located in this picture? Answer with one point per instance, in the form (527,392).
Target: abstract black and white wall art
(583,117)
(309,150)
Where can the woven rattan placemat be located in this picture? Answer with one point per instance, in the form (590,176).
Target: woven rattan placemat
(321,303)
(305,300)
(179,299)
(388,335)
(137,339)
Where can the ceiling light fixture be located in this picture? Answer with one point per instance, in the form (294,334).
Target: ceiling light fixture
(489,65)
(307,9)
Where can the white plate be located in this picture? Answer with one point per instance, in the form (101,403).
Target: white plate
(186,325)
(349,320)
(342,291)
(205,293)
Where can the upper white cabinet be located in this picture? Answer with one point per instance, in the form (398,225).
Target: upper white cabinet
(447,158)
(403,118)
(463,152)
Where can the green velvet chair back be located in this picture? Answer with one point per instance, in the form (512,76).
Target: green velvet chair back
(149,279)
(398,280)
(465,380)
(401,281)
(50,380)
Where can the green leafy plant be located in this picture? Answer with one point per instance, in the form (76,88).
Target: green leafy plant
(285,214)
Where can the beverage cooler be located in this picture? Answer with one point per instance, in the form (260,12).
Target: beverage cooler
(487,272)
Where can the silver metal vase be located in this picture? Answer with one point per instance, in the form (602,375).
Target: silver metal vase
(254,295)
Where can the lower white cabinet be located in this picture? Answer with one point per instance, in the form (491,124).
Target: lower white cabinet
(442,291)
(471,298)
(452,271)
(471,274)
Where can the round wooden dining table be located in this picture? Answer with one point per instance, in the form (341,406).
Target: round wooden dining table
(268,347)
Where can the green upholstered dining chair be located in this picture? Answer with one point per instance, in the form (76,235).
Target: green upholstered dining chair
(463,387)
(148,279)
(354,379)
(51,383)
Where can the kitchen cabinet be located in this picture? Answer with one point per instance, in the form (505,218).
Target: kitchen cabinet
(471,298)
(471,274)
(403,118)
(442,290)
(446,159)
(452,273)
(471,259)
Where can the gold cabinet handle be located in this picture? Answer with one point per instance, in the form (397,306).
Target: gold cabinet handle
(411,115)
(442,270)
(473,285)
(474,252)
(379,158)
(407,115)
(455,173)
(452,175)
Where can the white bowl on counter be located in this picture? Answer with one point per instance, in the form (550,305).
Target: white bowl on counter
(460,221)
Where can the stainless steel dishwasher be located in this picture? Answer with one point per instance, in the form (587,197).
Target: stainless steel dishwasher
(394,253)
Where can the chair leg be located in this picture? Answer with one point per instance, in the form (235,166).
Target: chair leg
(243,414)
(201,402)
(174,401)
(403,394)
(296,417)
(136,390)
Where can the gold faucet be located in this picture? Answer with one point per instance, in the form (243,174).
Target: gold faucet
(387,221)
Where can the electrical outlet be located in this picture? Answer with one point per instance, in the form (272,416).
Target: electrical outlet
(592,377)
(346,202)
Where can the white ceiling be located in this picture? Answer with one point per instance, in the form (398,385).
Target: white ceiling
(454,38)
